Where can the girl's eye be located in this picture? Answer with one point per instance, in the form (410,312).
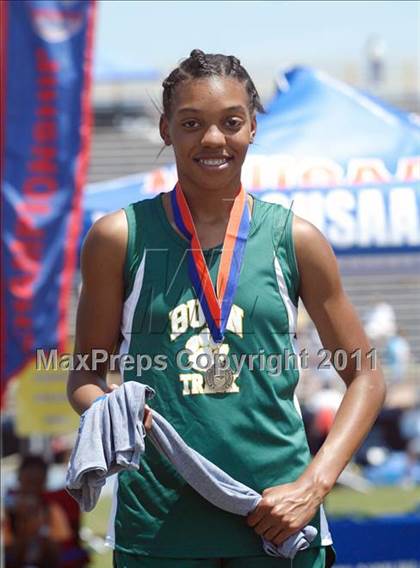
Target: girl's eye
(190,124)
(234,122)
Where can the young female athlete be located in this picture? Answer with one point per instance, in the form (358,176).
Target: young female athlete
(148,287)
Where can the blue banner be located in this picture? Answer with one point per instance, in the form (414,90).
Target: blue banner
(390,541)
(369,219)
(48,49)
(366,217)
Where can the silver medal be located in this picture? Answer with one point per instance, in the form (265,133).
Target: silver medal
(219,378)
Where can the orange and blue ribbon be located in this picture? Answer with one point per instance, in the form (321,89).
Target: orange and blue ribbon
(216,305)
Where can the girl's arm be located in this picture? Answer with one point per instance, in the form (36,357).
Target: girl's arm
(100,306)
(287,508)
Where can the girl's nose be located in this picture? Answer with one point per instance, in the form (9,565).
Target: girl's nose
(213,137)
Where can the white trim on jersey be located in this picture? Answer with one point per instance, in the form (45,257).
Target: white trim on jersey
(326,538)
(126,329)
(292,318)
(110,533)
(291,309)
(130,307)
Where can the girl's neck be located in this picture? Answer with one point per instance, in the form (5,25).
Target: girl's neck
(210,222)
(210,206)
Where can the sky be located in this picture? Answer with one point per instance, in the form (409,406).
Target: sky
(266,36)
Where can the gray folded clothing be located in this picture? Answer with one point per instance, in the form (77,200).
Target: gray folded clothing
(111,439)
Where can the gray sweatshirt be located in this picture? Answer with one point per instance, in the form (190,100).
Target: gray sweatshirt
(111,439)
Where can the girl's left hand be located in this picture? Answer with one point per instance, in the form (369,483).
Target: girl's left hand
(284,510)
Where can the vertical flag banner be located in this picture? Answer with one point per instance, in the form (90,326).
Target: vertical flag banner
(47,52)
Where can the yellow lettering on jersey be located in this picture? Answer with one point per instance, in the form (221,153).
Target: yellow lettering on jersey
(197,384)
(179,320)
(194,384)
(195,313)
(186,380)
(191,314)
(235,321)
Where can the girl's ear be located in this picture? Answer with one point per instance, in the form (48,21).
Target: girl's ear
(253,128)
(164,130)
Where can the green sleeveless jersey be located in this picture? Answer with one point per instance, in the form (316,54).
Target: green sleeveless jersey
(254,430)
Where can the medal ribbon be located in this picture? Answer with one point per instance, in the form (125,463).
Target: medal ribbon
(216,305)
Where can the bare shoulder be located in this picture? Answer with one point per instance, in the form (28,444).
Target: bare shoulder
(109,229)
(316,260)
(106,241)
(308,239)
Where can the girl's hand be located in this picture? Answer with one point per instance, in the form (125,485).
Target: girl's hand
(284,510)
(147,419)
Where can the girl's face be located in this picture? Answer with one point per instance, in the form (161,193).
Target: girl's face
(210,128)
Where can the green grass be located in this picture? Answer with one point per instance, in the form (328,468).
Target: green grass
(101,560)
(340,502)
(97,521)
(381,500)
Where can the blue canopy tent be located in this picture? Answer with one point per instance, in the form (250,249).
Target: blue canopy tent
(343,160)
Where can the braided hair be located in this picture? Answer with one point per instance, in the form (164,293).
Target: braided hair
(199,65)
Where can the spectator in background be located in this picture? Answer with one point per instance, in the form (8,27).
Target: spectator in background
(397,356)
(37,527)
(381,324)
(33,529)
(410,430)
(27,534)
(322,408)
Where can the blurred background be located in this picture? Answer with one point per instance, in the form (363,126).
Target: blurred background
(340,143)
